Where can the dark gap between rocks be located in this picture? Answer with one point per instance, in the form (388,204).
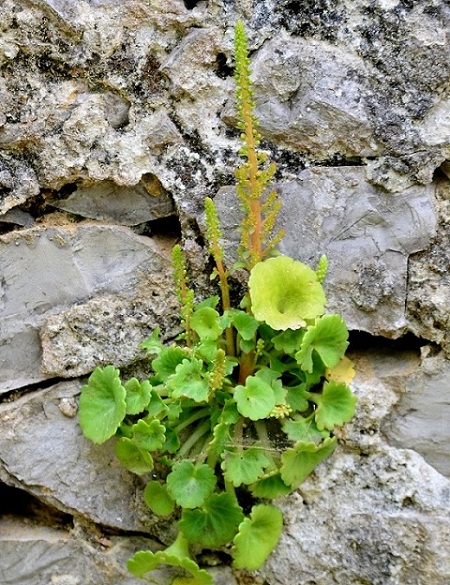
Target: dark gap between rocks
(17,393)
(23,506)
(361,341)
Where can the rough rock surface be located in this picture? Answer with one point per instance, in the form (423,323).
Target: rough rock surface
(119,115)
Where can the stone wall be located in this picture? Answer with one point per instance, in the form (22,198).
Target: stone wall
(116,120)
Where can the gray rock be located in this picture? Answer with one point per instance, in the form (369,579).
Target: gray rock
(371,512)
(45,271)
(310,96)
(420,418)
(381,519)
(429,282)
(39,555)
(106,330)
(367,235)
(113,203)
(43,451)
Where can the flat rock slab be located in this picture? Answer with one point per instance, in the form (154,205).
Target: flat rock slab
(45,271)
(37,555)
(367,235)
(117,204)
(44,452)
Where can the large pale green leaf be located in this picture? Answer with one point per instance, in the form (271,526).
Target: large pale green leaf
(257,537)
(298,462)
(177,555)
(215,523)
(244,466)
(190,485)
(335,406)
(133,458)
(102,404)
(138,395)
(284,293)
(256,399)
(190,381)
(328,338)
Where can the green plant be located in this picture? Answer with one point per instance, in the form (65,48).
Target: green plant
(242,407)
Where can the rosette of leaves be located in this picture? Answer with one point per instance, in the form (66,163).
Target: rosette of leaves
(242,407)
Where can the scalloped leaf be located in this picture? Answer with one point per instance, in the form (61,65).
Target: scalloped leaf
(168,360)
(102,404)
(257,537)
(270,487)
(158,499)
(299,461)
(133,458)
(189,381)
(256,399)
(177,555)
(245,324)
(190,485)
(244,466)
(328,338)
(206,323)
(335,406)
(288,341)
(285,293)
(215,523)
(149,436)
(304,429)
(138,395)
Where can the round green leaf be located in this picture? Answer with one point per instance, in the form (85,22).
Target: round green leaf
(190,485)
(149,436)
(285,292)
(190,381)
(335,406)
(256,399)
(133,458)
(244,466)
(158,499)
(257,537)
(215,523)
(102,404)
(328,337)
(168,360)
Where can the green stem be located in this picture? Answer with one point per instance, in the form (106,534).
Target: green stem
(196,435)
(195,416)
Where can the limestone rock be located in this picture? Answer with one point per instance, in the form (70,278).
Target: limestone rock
(45,271)
(38,555)
(310,96)
(107,201)
(381,519)
(44,451)
(366,234)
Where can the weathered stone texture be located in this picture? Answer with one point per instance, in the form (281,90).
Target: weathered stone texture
(116,120)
